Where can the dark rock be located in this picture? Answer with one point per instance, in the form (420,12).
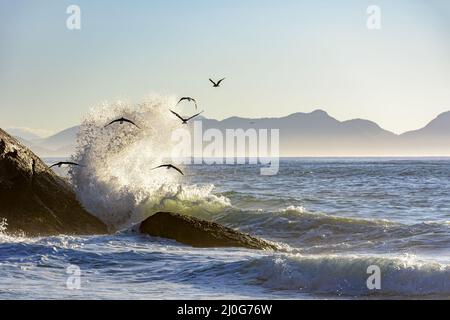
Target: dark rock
(198,233)
(34,200)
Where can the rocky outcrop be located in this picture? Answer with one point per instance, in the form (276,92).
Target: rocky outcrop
(34,200)
(198,233)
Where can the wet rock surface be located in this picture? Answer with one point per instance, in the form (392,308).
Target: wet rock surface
(34,200)
(199,233)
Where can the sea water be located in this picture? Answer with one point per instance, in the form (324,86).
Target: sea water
(331,219)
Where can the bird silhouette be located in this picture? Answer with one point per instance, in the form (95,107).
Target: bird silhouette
(185,120)
(216,84)
(121,121)
(188,99)
(59,164)
(169,166)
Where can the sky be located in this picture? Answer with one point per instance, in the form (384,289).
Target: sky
(279,57)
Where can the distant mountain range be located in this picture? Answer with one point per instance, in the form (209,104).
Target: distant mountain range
(319,134)
(306,134)
(61,144)
(24,133)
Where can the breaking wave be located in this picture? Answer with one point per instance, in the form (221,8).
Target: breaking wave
(347,275)
(312,232)
(116,181)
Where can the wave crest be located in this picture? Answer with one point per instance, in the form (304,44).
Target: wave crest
(116,182)
(347,275)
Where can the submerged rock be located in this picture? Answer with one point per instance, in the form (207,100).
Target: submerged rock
(198,233)
(34,200)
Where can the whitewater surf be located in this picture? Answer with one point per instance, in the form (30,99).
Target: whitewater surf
(117,183)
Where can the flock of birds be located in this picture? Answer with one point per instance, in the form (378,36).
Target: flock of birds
(184,120)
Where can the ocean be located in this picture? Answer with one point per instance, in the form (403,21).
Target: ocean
(331,219)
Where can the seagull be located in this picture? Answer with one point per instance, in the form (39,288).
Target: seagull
(216,84)
(185,120)
(190,100)
(121,121)
(59,164)
(169,166)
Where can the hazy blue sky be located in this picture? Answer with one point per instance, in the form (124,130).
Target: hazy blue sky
(279,57)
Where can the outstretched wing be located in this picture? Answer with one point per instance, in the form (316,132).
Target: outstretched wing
(173,167)
(218,82)
(169,166)
(129,121)
(71,163)
(195,115)
(182,99)
(64,162)
(161,166)
(213,82)
(55,165)
(188,99)
(111,123)
(179,117)
(195,102)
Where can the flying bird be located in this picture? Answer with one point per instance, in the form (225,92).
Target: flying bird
(121,121)
(188,99)
(59,164)
(216,84)
(169,166)
(185,120)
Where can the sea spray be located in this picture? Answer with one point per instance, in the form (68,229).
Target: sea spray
(116,181)
(6,237)
(3,225)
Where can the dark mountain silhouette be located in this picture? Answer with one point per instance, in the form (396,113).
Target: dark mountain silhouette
(311,134)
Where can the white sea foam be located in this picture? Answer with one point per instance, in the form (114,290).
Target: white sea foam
(3,225)
(5,237)
(347,274)
(296,209)
(116,182)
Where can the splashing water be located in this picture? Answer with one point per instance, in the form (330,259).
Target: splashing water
(116,181)
(3,225)
(5,237)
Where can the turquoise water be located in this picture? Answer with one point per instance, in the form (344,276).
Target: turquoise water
(331,218)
